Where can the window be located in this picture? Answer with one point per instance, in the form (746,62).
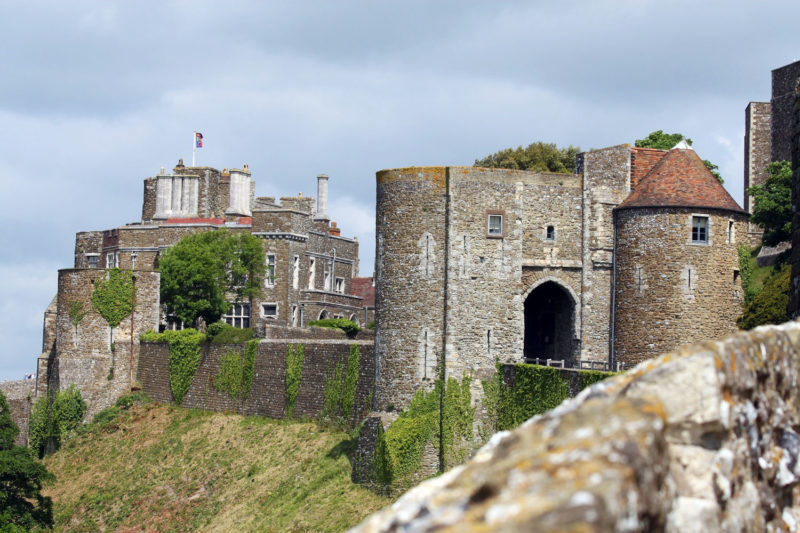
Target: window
(327,285)
(294,316)
(110,260)
(269,279)
(323,315)
(116,260)
(295,271)
(312,268)
(550,233)
(339,286)
(699,229)
(731,236)
(93,260)
(495,225)
(239,316)
(269,310)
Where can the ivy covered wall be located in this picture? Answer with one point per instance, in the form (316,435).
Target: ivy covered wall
(252,378)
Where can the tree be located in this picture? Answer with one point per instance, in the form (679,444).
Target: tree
(772,203)
(538,156)
(22,506)
(666,141)
(202,270)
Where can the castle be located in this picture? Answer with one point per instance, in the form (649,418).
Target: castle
(631,256)
(310,268)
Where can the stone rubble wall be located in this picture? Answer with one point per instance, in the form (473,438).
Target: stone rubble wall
(697,287)
(268,392)
(701,439)
(19,394)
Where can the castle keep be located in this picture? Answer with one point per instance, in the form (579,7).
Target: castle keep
(634,254)
(310,268)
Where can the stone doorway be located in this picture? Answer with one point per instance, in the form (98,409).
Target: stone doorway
(549,324)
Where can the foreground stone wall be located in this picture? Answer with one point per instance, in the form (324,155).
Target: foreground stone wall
(268,393)
(702,439)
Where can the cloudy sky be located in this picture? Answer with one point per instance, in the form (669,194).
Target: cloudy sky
(95,96)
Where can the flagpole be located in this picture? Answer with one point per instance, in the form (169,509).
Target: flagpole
(194,146)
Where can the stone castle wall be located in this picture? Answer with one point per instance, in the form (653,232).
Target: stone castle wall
(606,183)
(702,439)
(794,288)
(268,393)
(657,262)
(409,281)
(784,80)
(84,355)
(19,395)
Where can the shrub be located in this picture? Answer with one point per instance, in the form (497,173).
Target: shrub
(348,326)
(770,305)
(224,333)
(55,422)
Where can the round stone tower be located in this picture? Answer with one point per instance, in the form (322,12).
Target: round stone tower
(676,268)
(409,290)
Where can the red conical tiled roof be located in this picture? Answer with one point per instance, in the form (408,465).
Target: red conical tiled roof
(680,179)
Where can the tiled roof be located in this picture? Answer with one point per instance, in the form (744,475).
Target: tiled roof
(642,161)
(680,179)
(365,288)
(195,221)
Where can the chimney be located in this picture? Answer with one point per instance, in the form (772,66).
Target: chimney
(322,197)
(335,231)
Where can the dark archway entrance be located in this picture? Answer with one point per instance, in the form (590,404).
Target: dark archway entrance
(549,323)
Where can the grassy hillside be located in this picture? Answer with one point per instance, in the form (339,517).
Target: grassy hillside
(159,468)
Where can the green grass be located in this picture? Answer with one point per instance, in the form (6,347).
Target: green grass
(160,468)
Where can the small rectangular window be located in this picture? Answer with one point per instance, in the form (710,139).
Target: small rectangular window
(93,261)
(312,270)
(295,271)
(495,225)
(699,229)
(551,233)
(294,316)
(269,310)
(110,260)
(731,236)
(339,287)
(269,279)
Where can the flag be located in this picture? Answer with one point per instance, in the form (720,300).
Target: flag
(198,139)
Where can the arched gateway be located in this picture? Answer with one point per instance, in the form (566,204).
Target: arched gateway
(550,324)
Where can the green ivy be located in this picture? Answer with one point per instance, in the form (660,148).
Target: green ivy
(184,356)
(113,295)
(350,383)
(332,396)
(249,367)
(294,372)
(229,376)
(400,449)
(536,390)
(55,421)
(236,370)
(457,421)
(746,273)
(76,313)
